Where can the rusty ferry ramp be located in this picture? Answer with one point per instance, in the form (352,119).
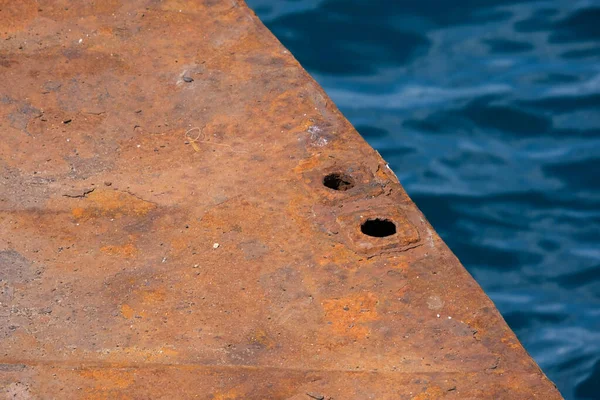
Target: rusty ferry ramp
(184,214)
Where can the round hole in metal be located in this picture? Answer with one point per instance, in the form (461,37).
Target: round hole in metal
(378,227)
(338,181)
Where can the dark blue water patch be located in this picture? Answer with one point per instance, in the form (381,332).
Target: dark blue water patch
(590,52)
(545,12)
(589,389)
(445,207)
(581,26)
(577,175)
(580,278)
(506,46)
(371,132)
(479,255)
(586,230)
(486,16)
(353,47)
(542,200)
(495,118)
(549,245)
(555,77)
(446,13)
(507,119)
(526,320)
(571,362)
(534,23)
(575,133)
(448,206)
(567,368)
(468,158)
(396,151)
(262,10)
(433,123)
(363,36)
(564,104)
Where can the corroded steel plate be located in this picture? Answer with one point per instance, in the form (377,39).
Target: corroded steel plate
(182,215)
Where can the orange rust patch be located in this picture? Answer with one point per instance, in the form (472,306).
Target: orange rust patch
(153,296)
(432,392)
(341,255)
(348,315)
(509,340)
(102,394)
(179,244)
(78,212)
(127,250)
(56,9)
(229,395)
(112,204)
(17,14)
(308,164)
(109,378)
(127,311)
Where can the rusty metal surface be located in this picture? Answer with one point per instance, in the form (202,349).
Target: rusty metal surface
(165,230)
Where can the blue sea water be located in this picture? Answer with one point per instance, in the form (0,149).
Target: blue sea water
(489,113)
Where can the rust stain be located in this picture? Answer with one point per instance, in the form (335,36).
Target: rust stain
(104,377)
(127,311)
(309,164)
(261,338)
(228,395)
(150,297)
(171,225)
(349,316)
(432,392)
(107,384)
(112,204)
(126,250)
(340,255)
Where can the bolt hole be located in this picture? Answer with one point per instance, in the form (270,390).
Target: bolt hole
(338,181)
(378,227)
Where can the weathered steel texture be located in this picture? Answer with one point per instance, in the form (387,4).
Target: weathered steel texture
(165,231)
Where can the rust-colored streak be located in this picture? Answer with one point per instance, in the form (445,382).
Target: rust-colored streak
(168,230)
(112,204)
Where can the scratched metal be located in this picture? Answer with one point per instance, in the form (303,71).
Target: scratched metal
(165,231)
